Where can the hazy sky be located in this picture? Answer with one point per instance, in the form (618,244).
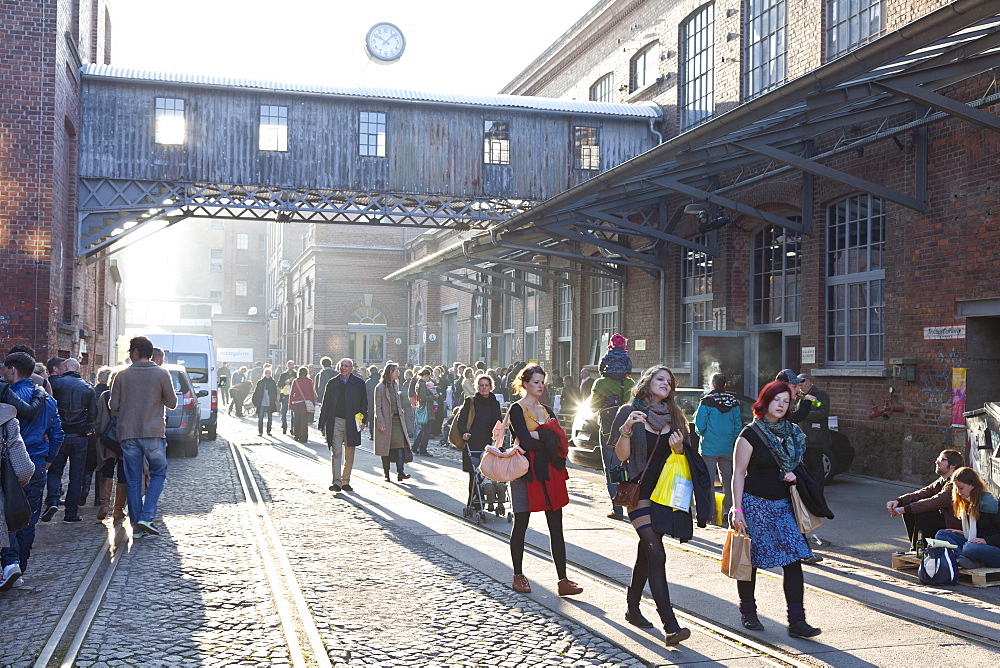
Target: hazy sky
(451,45)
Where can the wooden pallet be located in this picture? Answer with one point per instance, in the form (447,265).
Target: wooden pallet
(974,577)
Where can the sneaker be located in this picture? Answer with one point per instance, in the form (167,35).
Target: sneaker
(137,532)
(812,559)
(72,519)
(347,488)
(11,572)
(335,487)
(147,527)
(49,513)
(19,582)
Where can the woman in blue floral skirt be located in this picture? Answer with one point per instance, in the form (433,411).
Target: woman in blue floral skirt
(767,452)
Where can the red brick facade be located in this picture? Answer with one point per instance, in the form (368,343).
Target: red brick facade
(53,302)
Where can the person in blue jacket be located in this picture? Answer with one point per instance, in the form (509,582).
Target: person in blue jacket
(718,423)
(43,436)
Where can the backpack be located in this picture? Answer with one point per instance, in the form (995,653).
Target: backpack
(939,566)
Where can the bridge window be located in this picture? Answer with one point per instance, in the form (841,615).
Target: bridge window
(496,143)
(169,120)
(587,148)
(273,128)
(371,134)
(603,88)
(645,67)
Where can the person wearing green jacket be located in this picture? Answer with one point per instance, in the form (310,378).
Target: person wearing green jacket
(608,392)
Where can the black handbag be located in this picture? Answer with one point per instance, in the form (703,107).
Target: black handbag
(16,510)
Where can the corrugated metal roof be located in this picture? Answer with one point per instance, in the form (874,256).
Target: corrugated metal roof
(642,110)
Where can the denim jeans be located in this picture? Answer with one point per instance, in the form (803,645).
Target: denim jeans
(421,439)
(21,541)
(610,459)
(723,466)
(988,555)
(74,450)
(261,412)
(134,451)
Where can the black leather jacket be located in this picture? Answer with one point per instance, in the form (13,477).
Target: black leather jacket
(26,412)
(77,403)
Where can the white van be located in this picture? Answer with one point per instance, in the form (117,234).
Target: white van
(196,353)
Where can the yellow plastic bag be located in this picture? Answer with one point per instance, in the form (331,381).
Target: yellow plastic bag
(675,487)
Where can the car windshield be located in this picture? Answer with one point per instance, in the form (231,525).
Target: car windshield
(196,365)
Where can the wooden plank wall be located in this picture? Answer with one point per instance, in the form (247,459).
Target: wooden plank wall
(436,149)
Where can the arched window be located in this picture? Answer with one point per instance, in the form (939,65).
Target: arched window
(603,89)
(777,256)
(645,67)
(855,275)
(366,335)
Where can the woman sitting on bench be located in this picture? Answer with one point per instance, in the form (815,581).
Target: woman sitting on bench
(979,539)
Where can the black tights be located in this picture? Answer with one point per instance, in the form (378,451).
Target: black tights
(557,545)
(792,582)
(651,566)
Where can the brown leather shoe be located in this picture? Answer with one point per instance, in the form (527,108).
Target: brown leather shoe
(569,588)
(521,585)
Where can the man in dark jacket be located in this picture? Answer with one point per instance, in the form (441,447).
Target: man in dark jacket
(77,402)
(344,397)
(929,509)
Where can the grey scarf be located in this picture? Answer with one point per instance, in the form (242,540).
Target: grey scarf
(657,416)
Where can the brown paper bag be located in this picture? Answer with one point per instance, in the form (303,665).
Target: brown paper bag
(807,521)
(736,556)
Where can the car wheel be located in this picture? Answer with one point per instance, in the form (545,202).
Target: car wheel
(827,465)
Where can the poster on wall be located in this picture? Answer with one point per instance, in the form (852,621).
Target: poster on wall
(957,397)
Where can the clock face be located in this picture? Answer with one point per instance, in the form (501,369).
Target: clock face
(385,42)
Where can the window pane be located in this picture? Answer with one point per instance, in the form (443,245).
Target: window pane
(371,134)
(586,147)
(603,89)
(697,89)
(273,128)
(496,143)
(776,257)
(169,121)
(764,47)
(851,23)
(644,67)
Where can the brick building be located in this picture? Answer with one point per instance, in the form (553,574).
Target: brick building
(844,157)
(52,301)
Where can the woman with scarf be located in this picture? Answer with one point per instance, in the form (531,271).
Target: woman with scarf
(302,403)
(543,487)
(649,430)
(767,452)
(979,540)
(477,417)
(390,435)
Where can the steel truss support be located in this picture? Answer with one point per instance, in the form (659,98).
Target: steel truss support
(112,209)
(713,198)
(503,277)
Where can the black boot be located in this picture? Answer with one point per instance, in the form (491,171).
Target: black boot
(633,615)
(751,621)
(673,634)
(797,626)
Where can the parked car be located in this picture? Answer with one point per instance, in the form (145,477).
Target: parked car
(184,421)
(196,353)
(834,458)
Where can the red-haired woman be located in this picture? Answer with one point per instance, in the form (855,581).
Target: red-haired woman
(767,452)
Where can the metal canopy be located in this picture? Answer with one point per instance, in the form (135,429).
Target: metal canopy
(883,89)
(111,210)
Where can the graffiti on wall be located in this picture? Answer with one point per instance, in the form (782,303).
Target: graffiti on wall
(935,396)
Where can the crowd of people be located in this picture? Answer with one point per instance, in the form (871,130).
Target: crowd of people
(52,419)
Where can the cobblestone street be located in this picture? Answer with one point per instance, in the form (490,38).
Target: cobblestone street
(388,579)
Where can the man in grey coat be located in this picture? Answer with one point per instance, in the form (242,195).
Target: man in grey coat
(140,394)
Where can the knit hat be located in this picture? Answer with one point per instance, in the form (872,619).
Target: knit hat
(618,341)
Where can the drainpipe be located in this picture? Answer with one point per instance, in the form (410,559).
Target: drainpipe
(663,320)
(659,136)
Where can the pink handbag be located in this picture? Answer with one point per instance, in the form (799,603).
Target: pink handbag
(503,466)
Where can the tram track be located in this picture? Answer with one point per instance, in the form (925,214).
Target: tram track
(714,554)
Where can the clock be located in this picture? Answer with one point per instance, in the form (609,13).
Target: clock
(384,43)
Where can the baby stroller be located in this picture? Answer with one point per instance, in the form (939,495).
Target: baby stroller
(486,497)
